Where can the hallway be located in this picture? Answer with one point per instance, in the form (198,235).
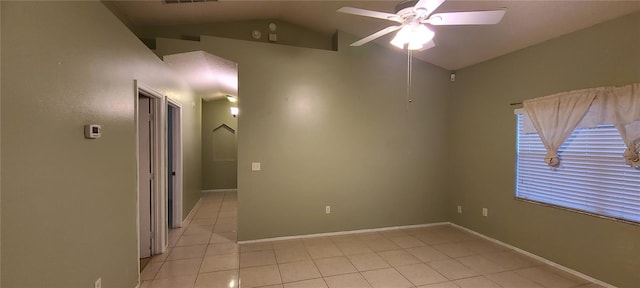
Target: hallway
(207,244)
(205,254)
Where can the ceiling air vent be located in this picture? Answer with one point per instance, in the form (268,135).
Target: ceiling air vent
(185,1)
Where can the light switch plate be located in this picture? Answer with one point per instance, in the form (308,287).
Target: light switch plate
(255,166)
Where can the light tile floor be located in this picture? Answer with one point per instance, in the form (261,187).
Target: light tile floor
(205,253)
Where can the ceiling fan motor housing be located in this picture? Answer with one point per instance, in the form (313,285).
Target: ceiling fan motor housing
(405,4)
(408,13)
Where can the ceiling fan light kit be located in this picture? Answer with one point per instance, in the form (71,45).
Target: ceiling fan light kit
(416,35)
(415,16)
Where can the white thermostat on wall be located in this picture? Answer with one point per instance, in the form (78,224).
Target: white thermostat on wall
(92,131)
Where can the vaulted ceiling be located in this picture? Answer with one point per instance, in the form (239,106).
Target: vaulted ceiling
(526,22)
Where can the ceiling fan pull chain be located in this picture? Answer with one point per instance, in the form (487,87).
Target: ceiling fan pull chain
(409,71)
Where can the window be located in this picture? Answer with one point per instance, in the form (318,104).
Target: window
(592,178)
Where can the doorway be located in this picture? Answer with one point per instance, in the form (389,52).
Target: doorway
(145,173)
(174,164)
(150,161)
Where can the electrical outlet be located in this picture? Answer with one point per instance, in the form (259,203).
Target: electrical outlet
(485,212)
(327,209)
(98,283)
(459,209)
(255,166)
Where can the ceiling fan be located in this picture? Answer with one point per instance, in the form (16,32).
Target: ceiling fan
(414,18)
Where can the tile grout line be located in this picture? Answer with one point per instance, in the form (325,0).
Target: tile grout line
(478,250)
(536,257)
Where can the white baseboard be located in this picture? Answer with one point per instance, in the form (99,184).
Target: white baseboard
(219,190)
(538,258)
(187,219)
(534,256)
(341,233)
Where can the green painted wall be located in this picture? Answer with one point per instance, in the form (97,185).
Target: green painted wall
(219,146)
(482,149)
(69,204)
(0,153)
(330,128)
(333,128)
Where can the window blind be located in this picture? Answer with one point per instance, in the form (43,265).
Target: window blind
(593,176)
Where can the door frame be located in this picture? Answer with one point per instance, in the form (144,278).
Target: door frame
(178,162)
(159,229)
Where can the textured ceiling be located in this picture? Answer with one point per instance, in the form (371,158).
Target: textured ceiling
(526,22)
(208,75)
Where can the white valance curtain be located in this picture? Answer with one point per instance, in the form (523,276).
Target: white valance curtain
(555,117)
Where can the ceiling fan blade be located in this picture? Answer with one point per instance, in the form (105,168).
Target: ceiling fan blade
(467,18)
(376,35)
(370,13)
(429,5)
(427,45)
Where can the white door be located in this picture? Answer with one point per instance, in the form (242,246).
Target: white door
(144,172)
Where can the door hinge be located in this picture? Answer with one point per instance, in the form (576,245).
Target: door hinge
(150,117)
